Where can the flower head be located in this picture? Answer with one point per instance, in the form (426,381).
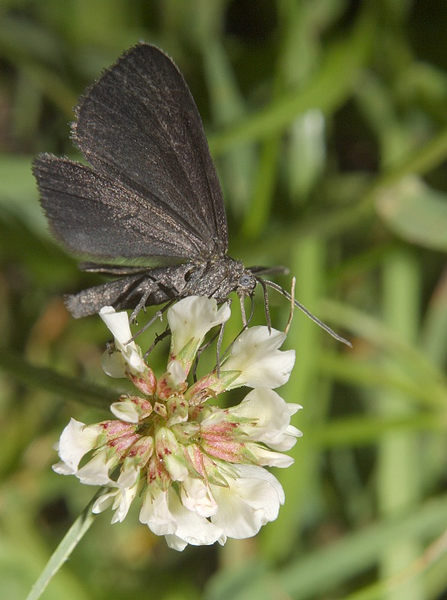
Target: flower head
(198,468)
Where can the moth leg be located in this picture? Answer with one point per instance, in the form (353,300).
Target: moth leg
(202,348)
(252,310)
(158,338)
(266,302)
(156,316)
(141,303)
(113,293)
(243,315)
(292,305)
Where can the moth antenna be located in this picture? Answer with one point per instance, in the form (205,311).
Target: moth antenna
(266,302)
(158,338)
(292,305)
(275,270)
(157,315)
(307,312)
(141,305)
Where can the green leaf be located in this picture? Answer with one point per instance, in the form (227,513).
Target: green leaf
(70,388)
(321,570)
(415,212)
(18,195)
(326,90)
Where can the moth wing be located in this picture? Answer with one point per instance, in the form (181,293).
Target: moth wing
(95,215)
(139,124)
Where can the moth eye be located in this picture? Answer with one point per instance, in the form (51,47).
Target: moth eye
(245,281)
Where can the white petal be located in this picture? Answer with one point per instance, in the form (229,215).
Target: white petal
(196,496)
(62,469)
(165,515)
(269,418)
(250,501)
(287,440)
(255,353)
(176,373)
(128,477)
(96,471)
(269,458)
(76,440)
(104,501)
(155,512)
(121,497)
(251,472)
(175,543)
(126,411)
(190,527)
(113,364)
(123,500)
(191,318)
(118,324)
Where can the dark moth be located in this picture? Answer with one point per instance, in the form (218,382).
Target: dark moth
(151,191)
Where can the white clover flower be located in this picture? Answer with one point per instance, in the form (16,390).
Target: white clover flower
(197,468)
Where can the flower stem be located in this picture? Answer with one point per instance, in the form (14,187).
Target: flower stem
(64,549)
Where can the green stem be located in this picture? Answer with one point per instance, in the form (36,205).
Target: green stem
(398,476)
(300,482)
(64,549)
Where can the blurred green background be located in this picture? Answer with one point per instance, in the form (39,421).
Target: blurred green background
(328,123)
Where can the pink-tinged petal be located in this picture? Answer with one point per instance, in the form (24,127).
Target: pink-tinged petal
(173,381)
(171,453)
(226,450)
(139,453)
(144,380)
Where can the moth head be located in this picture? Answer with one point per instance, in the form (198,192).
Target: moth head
(246,284)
